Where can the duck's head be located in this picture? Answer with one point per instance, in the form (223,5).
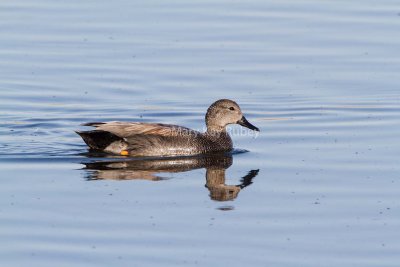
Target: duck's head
(223,112)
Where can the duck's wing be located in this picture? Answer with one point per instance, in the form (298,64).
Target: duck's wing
(128,129)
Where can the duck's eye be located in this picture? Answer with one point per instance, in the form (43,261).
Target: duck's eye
(231,108)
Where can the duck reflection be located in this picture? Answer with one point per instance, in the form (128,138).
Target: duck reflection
(152,169)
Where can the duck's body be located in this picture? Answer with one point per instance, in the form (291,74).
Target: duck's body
(151,139)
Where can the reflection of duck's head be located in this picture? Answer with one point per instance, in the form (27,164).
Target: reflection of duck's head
(149,169)
(218,189)
(222,192)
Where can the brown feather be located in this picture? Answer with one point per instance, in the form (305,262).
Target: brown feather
(127,129)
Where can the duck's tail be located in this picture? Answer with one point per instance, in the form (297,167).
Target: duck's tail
(97,139)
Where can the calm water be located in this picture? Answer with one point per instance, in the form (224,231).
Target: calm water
(320,185)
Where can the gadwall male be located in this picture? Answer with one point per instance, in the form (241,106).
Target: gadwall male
(156,139)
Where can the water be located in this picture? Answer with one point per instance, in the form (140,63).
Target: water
(318,187)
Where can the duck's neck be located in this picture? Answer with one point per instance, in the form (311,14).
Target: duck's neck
(220,139)
(216,131)
(220,135)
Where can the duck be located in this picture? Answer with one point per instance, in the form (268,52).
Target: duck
(139,139)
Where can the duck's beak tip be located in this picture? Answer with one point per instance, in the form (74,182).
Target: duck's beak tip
(245,123)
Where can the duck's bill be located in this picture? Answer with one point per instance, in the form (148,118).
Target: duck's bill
(245,123)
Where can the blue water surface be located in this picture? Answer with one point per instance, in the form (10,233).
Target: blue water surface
(319,186)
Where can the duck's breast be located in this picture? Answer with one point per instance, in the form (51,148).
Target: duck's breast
(190,144)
